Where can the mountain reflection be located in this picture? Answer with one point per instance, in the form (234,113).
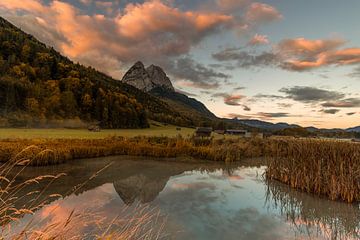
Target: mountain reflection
(203,200)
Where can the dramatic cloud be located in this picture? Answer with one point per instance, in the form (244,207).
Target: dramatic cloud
(259,40)
(190,73)
(344,103)
(148,31)
(295,55)
(311,94)
(330,111)
(302,54)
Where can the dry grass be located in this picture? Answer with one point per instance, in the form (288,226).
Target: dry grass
(322,167)
(55,151)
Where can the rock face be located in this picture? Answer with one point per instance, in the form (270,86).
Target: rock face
(147,79)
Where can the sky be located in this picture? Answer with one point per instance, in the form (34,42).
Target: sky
(273,60)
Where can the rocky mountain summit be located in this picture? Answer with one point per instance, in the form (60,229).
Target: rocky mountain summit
(146,79)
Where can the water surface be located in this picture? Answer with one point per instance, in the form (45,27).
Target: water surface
(197,200)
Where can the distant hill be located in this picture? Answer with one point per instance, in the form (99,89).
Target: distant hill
(354,129)
(39,86)
(265,125)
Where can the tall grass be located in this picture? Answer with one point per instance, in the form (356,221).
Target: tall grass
(55,151)
(322,167)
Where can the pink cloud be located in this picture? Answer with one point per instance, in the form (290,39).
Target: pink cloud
(259,40)
(29,5)
(259,13)
(302,54)
(233,100)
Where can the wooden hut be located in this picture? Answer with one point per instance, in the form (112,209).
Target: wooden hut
(203,132)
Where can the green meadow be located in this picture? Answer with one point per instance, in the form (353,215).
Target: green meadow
(58,133)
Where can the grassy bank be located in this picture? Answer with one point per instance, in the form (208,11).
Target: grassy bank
(56,151)
(323,167)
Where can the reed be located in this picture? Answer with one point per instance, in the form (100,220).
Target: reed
(55,151)
(322,167)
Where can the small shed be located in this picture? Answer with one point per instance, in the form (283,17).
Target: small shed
(203,132)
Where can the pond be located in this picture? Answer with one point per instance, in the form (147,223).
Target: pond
(191,200)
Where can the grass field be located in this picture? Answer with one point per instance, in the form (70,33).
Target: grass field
(23,133)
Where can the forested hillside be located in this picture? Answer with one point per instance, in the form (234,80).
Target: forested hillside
(38,86)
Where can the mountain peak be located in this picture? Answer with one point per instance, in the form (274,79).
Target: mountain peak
(147,79)
(159,77)
(139,64)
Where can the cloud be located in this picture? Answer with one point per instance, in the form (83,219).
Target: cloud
(259,13)
(343,103)
(311,94)
(263,115)
(145,31)
(351,113)
(267,115)
(355,73)
(285,105)
(259,40)
(29,5)
(232,5)
(330,111)
(244,59)
(190,73)
(297,54)
(302,54)
(232,100)
(270,96)
(239,116)
(246,108)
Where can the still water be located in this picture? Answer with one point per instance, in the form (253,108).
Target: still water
(192,200)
